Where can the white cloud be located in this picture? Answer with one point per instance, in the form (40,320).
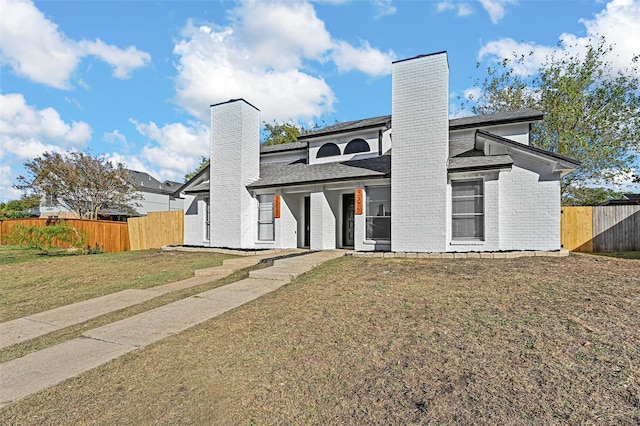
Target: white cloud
(27,132)
(116,138)
(258,58)
(217,66)
(6,184)
(618,22)
(123,61)
(364,58)
(384,8)
(495,8)
(35,48)
(174,149)
(533,55)
(461,8)
(280,35)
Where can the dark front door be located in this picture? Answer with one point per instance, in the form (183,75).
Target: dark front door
(348,219)
(307,221)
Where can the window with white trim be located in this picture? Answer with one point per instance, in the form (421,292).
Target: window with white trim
(467,208)
(378,213)
(265,217)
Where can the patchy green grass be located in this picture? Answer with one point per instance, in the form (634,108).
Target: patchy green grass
(16,254)
(32,283)
(622,254)
(388,341)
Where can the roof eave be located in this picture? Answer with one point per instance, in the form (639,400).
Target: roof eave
(565,163)
(529,119)
(315,182)
(177,192)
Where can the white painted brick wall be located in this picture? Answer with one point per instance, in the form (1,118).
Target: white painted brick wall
(529,208)
(286,226)
(235,158)
(194,220)
(420,111)
(323,222)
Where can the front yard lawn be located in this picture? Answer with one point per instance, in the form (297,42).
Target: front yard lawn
(388,341)
(32,283)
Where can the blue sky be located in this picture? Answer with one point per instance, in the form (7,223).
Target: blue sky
(133,80)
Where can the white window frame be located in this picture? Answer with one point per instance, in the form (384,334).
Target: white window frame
(478,213)
(265,217)
(376,214)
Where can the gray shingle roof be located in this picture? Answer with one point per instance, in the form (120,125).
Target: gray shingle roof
(630,196)
(562,161)
(148,183)
(291,146)
(299,173)
(503,117)
(202,187)
(348,126)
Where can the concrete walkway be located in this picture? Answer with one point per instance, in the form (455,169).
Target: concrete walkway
(36,371)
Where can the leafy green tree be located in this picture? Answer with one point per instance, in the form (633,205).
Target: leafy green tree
(80,182)
(16,209)
(587,196)
(279,133)
(204,162)
(592,113)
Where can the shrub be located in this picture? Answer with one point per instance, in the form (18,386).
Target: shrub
(58,234)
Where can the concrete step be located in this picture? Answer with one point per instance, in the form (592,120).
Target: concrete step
(276,273)
(294,263)
(217,271)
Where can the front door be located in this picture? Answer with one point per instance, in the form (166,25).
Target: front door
(348,219)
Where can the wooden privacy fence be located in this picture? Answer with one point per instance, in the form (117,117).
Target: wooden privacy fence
(600,229)
(157,229)
(109,236)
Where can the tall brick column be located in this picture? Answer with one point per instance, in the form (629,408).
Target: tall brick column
(420,131)
(235,163)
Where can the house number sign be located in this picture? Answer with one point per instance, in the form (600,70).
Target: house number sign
(358,196)
(276,206)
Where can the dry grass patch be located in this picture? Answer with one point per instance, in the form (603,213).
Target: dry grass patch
(388,341)
(39,283)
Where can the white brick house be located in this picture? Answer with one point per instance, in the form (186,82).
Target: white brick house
(414,181)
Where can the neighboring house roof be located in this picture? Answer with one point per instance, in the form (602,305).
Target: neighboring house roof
(148,183)
(626,200)
(300,173)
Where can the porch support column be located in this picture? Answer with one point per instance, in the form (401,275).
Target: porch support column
(323,222)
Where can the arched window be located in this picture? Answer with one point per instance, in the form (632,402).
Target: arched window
(357,145)
(328,150)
